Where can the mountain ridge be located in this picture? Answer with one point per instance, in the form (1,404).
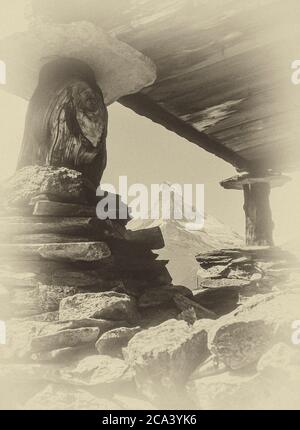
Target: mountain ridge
(184,239)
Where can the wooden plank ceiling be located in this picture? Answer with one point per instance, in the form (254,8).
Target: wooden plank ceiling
(224,70)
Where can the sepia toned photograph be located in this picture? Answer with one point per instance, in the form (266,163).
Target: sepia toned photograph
(149,208)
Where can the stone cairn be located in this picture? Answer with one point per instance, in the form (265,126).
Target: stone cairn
(74,291)
(228,277)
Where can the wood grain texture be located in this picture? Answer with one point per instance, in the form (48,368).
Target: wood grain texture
(224,69)
(259,224)
(66,121)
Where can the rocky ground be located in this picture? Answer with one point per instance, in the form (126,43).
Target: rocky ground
(106,351)
(94,321)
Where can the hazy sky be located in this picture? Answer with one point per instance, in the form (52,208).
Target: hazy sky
(147,153)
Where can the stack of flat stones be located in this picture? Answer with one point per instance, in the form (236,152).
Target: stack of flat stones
(74,289)
(228,277)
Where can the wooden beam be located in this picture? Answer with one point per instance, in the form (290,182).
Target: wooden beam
(145,106)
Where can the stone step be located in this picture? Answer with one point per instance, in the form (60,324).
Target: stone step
(72,252)
(107,305)
(58,209)
(29,226)
(224,283)
(45,239)
(10,226)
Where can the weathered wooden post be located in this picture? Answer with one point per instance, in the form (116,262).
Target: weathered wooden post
(66,123)
(258,216)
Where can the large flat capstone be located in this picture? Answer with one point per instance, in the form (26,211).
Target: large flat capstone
(119,68)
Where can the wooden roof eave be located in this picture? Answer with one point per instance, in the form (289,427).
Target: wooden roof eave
(145,106)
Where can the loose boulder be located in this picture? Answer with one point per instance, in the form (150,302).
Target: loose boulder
(108,305)
(64,339)
(60,397)
(60,183)
(239,339)
(164,356)
(98,370)
(112,342)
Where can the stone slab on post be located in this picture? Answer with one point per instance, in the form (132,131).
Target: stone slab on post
(258,214)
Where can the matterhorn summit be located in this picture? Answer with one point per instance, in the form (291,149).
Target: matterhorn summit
(184,238)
